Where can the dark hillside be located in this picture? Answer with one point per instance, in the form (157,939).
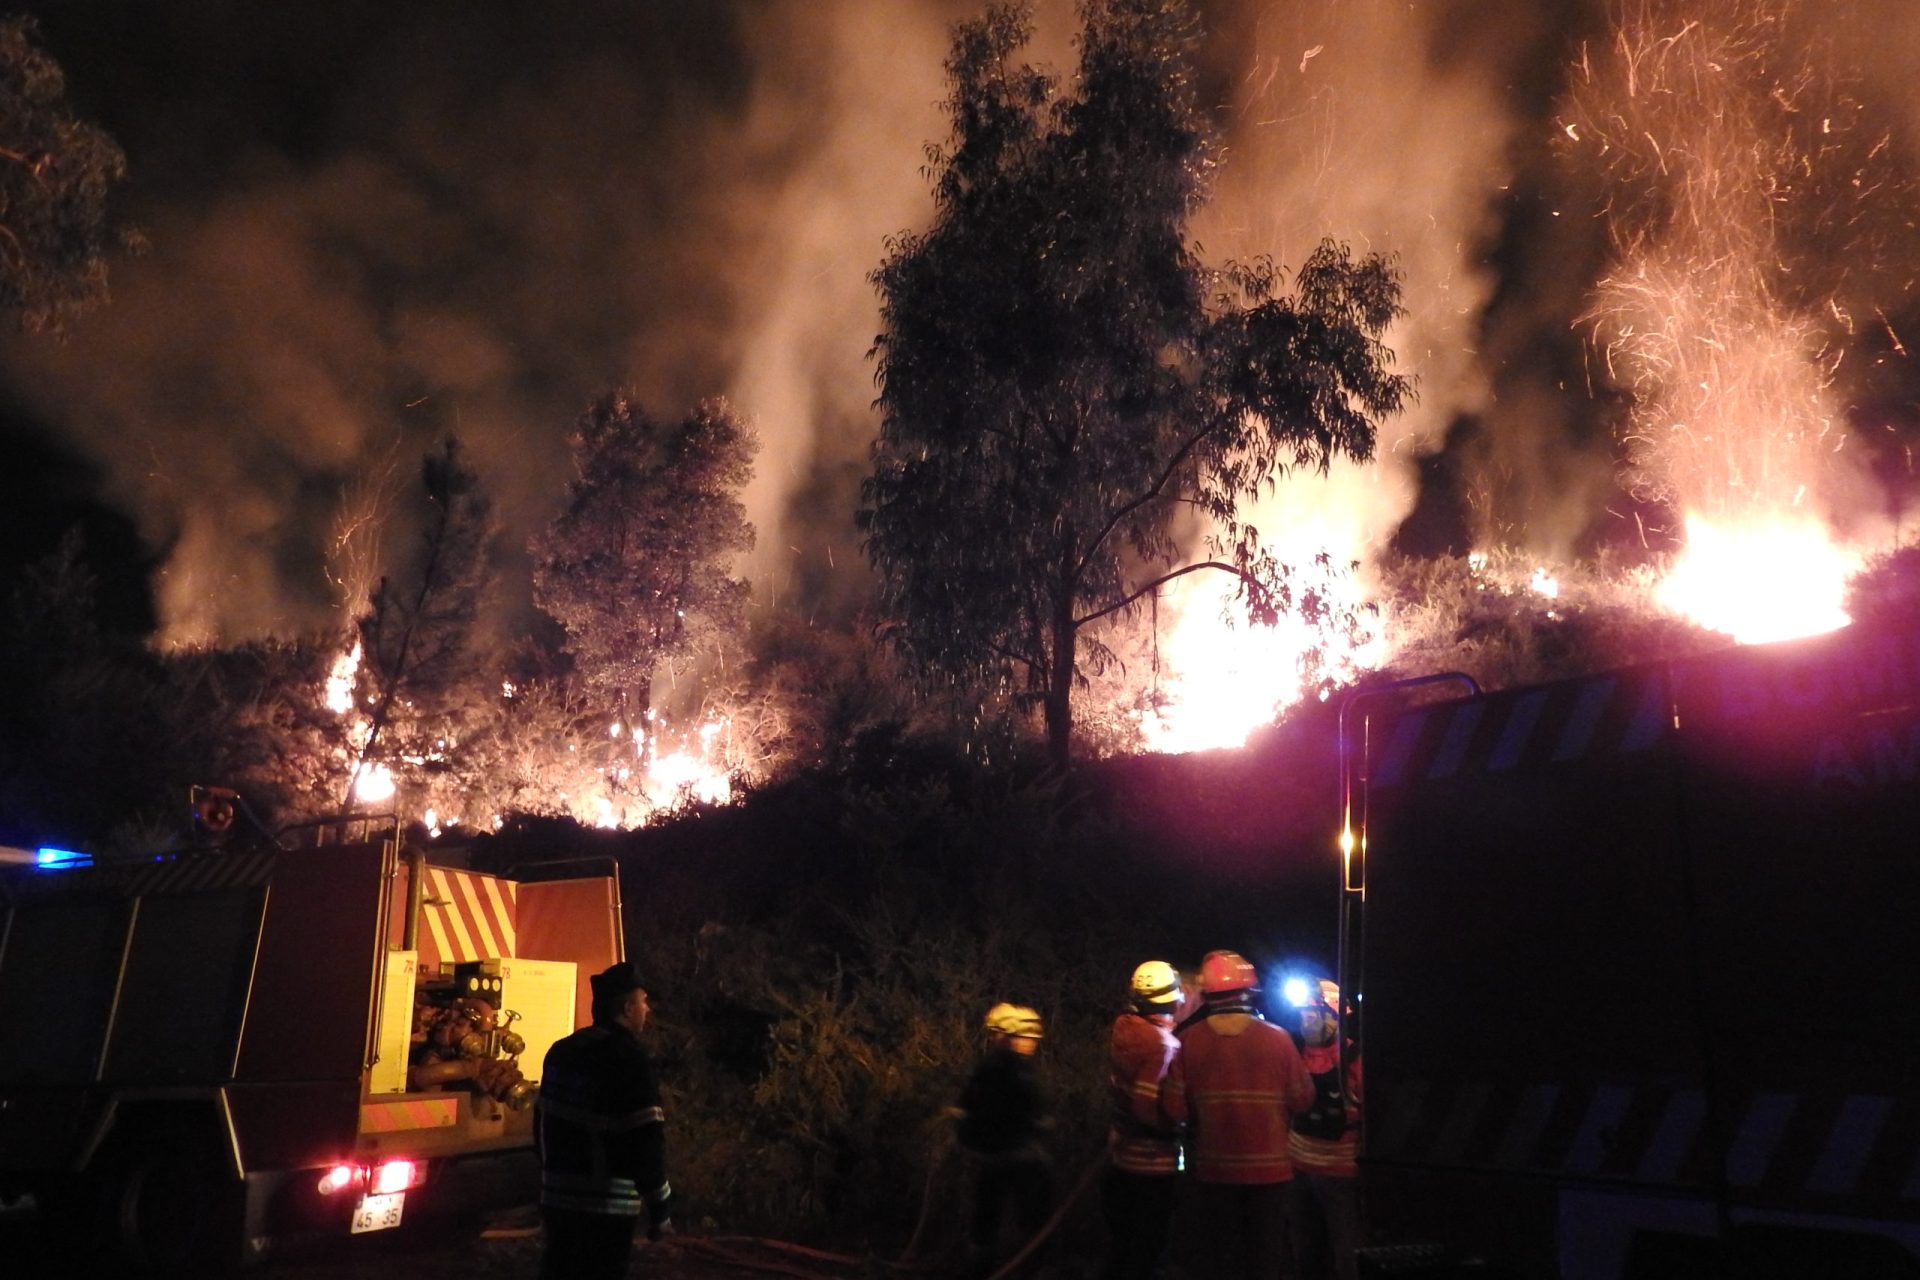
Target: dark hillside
(824,951)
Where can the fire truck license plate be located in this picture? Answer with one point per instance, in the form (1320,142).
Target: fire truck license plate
(377,1213)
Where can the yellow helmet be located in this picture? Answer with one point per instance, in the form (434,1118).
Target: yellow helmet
(1156,982)
(1014,1020)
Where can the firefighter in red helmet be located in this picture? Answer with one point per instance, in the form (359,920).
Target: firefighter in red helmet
(1236,1084)
(1143,1147)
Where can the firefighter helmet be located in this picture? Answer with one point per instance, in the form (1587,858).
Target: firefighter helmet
(1227,973)
(1156,982)
(1319,1025)
(1014,1020)
(213,808)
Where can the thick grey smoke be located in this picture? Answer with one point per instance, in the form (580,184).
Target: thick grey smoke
(483,235)
(475,218)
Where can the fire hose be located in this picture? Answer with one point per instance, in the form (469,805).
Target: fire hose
(726,1249)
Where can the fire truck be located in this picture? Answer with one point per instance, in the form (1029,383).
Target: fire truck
(1637,967)
(212,1055)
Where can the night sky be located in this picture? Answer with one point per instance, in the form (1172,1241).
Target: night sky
(371,224)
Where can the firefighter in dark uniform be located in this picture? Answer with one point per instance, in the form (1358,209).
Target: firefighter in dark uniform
(1002,1116)
(602,1138)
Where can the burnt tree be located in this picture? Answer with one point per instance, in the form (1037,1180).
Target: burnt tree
(637,567)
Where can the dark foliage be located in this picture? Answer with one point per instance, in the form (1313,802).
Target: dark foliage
(80,714)
(56,174)
(822,956)
(1887,592)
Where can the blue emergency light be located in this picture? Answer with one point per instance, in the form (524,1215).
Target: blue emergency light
(51,859)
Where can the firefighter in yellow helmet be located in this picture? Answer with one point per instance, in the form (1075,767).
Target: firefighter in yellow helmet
(1002,1117)
(1143,1147)
(1236,1084)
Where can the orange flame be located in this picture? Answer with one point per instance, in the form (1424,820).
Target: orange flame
(1765,580)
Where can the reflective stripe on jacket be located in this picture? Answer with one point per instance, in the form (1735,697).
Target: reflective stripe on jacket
(1140,1139)
(1235,1084)
(600,1127)
(1335,1157)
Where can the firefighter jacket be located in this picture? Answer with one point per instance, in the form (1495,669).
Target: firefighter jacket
(1140,1138)
(1002,1110)
(1326,1136)
(600,1127)
(1235,1084)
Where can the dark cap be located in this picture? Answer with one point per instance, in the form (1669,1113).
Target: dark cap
(616,982)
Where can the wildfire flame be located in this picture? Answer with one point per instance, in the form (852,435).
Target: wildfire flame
(339,694)
(1768,580)
(374,784)
(1223,677)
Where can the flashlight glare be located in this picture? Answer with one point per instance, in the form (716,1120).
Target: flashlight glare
(1297,992)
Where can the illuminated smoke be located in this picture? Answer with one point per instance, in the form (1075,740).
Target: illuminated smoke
(1339,123)
(496,216)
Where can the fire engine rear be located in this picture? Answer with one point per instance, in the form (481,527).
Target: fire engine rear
(218,1053)
(1639,967)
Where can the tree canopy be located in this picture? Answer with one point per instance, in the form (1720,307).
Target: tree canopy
(56,173)
(1062,380)
(637,567)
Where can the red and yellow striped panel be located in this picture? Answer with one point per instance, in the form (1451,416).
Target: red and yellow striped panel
(465,916)
(412,1113)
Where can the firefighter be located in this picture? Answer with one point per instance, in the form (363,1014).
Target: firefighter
(1323,1199)
(601,1134)
(1143,1148)
(1002,1116)
(1236,1084)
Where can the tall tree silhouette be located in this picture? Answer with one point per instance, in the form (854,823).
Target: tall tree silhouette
(637,569)
(1062,379)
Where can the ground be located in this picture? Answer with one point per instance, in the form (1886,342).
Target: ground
(492,1259)
(511,1251)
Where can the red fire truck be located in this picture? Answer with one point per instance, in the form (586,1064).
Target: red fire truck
(1638,967)
(210,1055)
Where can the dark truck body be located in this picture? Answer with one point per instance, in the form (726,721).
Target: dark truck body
(190,1042)
(1639,963)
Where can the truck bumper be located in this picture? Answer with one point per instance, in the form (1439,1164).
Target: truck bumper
(287,1215)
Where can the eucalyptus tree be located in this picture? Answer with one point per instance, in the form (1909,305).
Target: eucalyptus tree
(57,173)
(1062,381)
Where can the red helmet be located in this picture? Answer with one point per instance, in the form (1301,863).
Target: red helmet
(1226,972)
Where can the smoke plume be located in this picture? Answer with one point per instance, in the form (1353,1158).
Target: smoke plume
(372,225)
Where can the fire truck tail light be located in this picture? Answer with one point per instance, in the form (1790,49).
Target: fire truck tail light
(396,1175)
(338,1178)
